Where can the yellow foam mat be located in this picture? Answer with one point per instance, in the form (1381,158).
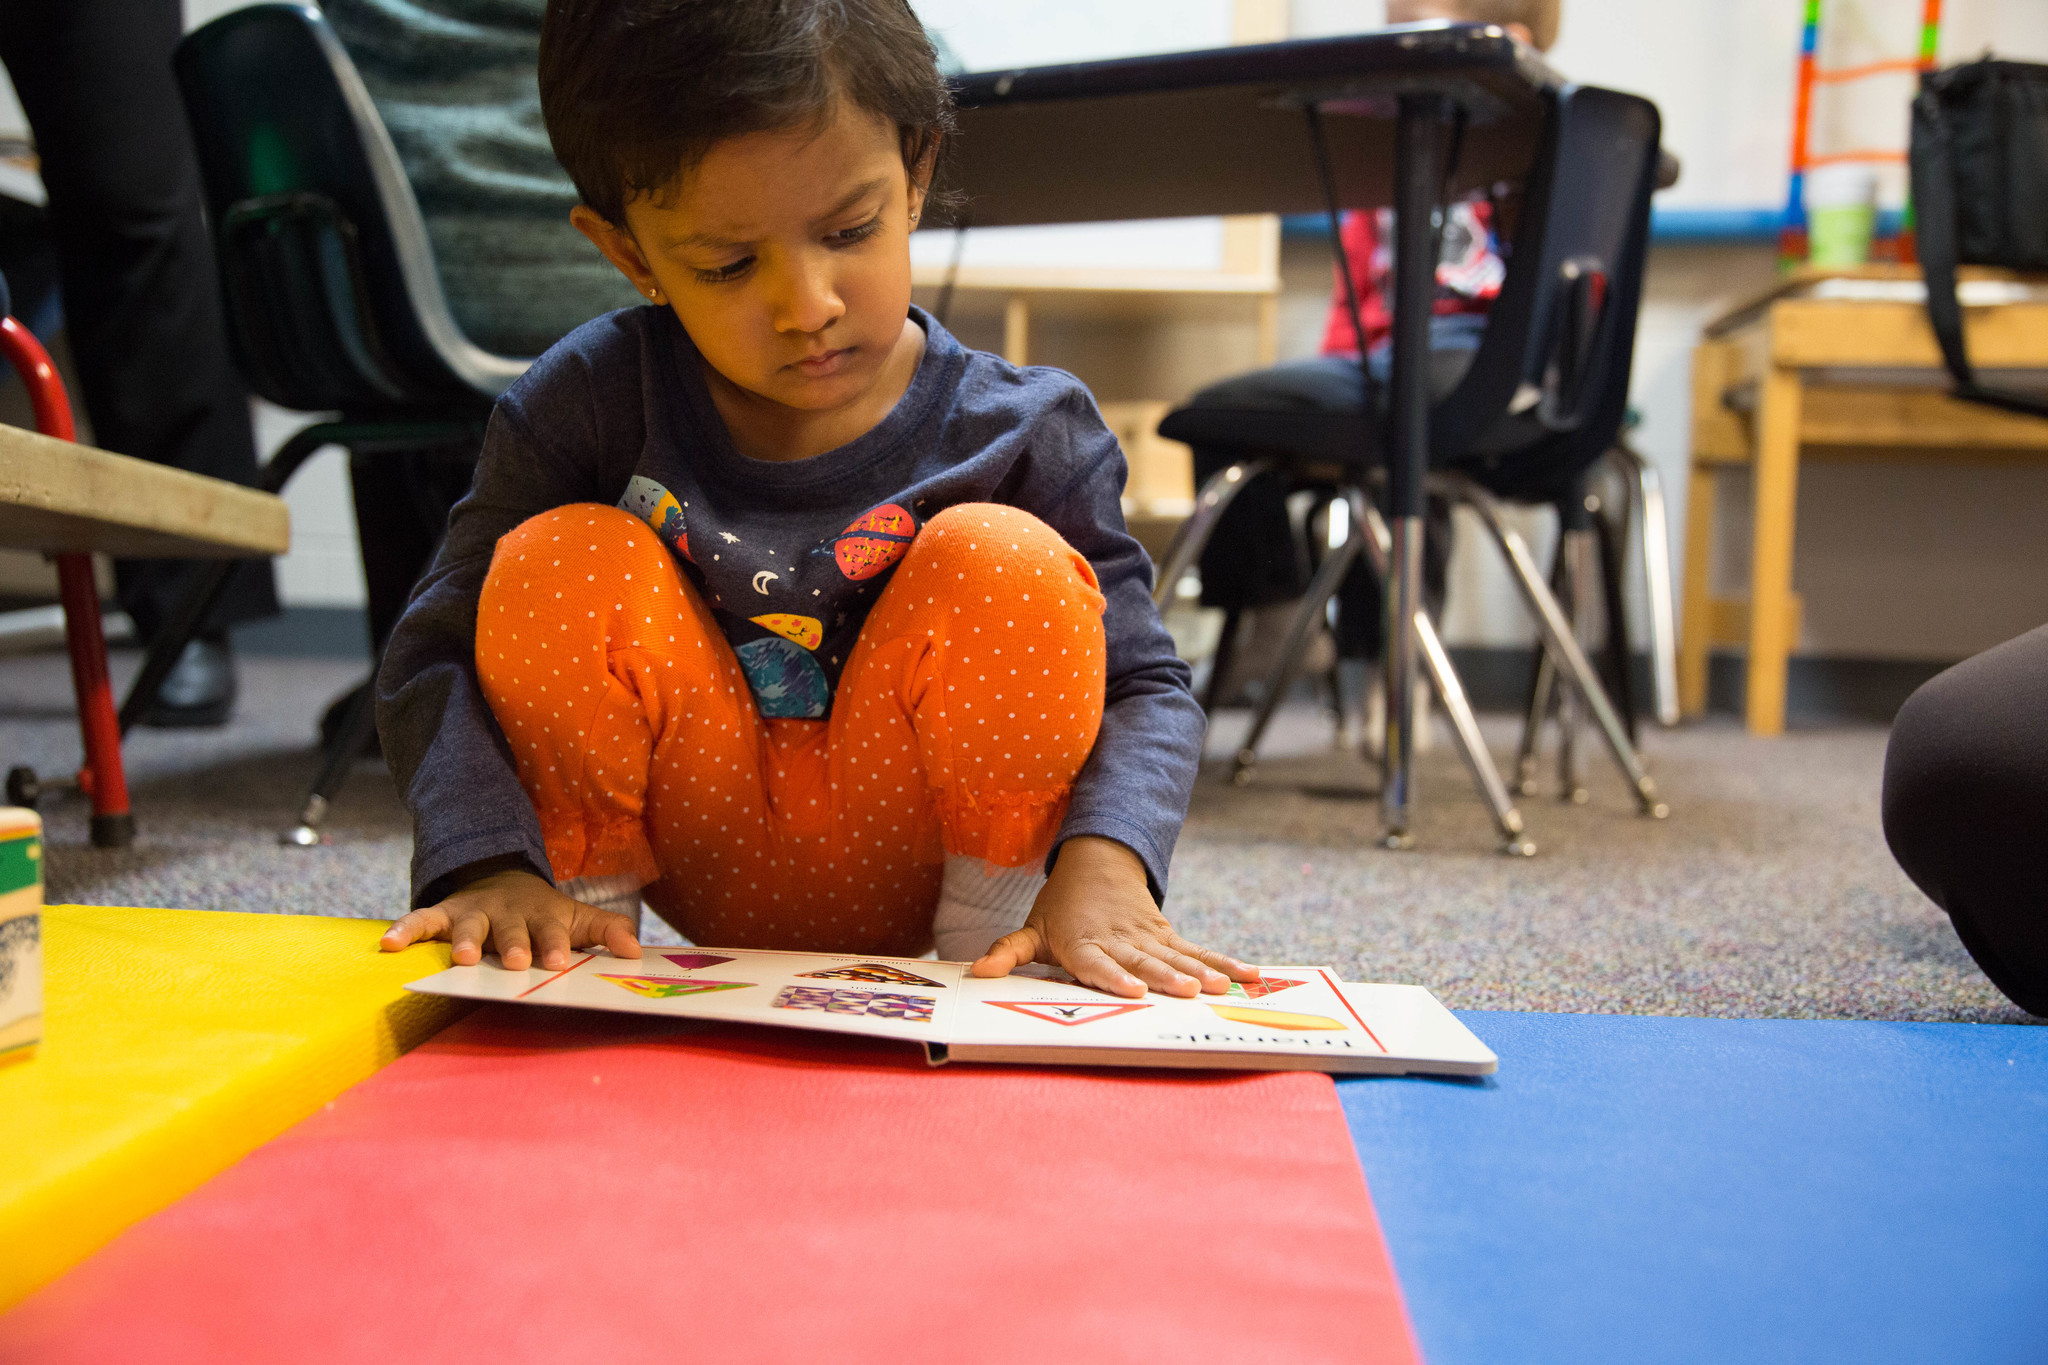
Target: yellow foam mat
(174,1042)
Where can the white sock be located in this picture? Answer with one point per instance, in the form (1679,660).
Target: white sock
(979,903)
(619,894)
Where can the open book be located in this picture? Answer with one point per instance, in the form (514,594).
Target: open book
(1292,1019)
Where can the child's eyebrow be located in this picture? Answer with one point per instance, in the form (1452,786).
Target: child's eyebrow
(708,241)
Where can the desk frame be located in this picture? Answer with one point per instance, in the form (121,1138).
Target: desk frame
(1817,369)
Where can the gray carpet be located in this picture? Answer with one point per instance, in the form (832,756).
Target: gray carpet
(1769,892)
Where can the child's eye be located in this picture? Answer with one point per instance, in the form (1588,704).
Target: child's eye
(858,234)
(726,274)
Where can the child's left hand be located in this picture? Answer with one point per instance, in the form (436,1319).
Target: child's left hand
(1096,919)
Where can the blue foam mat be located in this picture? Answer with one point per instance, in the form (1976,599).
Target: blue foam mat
(1652,1189)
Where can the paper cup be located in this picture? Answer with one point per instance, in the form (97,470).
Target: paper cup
(1841,214)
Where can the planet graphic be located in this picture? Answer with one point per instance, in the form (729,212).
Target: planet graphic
(658,507)
(804,630)
(787,682)
(874,541)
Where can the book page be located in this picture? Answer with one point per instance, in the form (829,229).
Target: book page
(879,996)
(1290,1011)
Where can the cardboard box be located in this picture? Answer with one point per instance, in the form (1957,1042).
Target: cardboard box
(21,932)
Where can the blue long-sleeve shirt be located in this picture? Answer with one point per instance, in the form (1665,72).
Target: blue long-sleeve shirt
(618,413)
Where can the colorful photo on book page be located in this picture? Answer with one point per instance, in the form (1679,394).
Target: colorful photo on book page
(883,997)
(1292,1011)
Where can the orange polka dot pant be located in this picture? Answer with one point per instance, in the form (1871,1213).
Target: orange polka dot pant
(970,701)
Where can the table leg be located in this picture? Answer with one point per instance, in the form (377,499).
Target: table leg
(1017,330)
(1418,184)
(1695,635)
(102,777)
(1771,617)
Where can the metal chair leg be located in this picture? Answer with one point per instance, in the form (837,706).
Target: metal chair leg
(1507,821)
(1193,536)
(1577,549)
(351,743)
(1611,534)
(1647,487)
(1542,694)
(1329,575)
(1558,639)
(1221,662)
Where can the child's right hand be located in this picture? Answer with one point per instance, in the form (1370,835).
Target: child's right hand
(516,914)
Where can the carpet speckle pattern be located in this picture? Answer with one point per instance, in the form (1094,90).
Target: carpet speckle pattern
(1768,893)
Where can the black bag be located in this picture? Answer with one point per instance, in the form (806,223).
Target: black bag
(1980,194)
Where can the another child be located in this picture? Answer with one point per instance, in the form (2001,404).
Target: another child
(771,603)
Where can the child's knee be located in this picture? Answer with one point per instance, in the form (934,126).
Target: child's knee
(985,553)
(582,543)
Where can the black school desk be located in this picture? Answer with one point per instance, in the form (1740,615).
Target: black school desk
(1413,115)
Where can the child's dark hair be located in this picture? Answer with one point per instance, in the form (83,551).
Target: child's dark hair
(635,92)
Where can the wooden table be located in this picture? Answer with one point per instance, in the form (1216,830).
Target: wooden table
(1800,373)
(58,496)
(70,500)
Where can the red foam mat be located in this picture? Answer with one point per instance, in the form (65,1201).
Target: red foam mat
(552,1186)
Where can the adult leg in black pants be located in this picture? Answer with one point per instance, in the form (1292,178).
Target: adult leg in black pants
(1966,808)
(141,302)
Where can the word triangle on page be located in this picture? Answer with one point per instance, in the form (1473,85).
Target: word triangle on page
(1065,1011)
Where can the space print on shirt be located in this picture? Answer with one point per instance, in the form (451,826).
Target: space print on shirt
(791,618)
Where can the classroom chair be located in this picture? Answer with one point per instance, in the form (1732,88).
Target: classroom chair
(332,300)
(1541,402)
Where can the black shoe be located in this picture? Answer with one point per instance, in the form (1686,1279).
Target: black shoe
(200,691)
(332,719)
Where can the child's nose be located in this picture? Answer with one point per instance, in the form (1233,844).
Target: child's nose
(808,300)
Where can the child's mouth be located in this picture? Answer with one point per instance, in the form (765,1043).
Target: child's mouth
(827,363)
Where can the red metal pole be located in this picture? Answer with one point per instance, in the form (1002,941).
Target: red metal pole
(102,777)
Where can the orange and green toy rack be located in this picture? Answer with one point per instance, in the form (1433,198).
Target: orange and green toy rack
(1792,235)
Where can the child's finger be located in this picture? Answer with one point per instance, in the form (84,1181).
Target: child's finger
(1201,973)
(515,949)
(1091,966)
(411,928)
(1156,973)
(466,934)
(617,933)
(551,943)
(1222,962)
(1009,952)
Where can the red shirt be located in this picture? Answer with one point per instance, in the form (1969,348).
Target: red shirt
(1468,274)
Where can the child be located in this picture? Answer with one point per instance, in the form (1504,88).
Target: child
(770,602)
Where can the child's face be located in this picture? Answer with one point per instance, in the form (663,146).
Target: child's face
(785,254)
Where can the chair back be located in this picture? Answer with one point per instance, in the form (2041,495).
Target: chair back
(331,293)
(1546,394)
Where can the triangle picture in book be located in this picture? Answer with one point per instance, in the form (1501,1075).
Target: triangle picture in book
(877,973)
(690,962)
(1265,985)
(666,987)
(1277,1018)
(1068,1012)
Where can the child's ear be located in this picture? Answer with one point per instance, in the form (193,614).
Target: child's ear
(619,248)
(921,172)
